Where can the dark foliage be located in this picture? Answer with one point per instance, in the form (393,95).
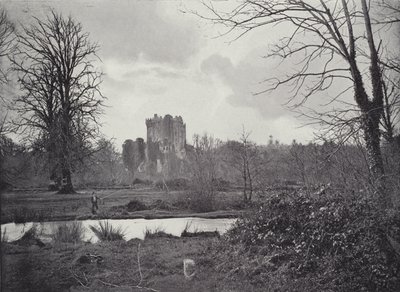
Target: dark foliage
(342,244)
(138,181)
(25,214)
(30,238)
(186,233)
(135,205)
(173,184)
(106,232)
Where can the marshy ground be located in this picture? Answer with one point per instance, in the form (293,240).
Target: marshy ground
(149,203)
(29,265)
(74,267)
(285,242)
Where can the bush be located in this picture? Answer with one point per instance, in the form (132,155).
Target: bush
(69,232)
(106,232)
(197,233)
(173,184)
(137,181)
(222,185)
(156,233)
(161,205)
(24,214)
(344,244)
(201,200)
(30,237)
(136,205)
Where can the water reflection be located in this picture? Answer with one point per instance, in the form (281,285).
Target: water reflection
(134,228)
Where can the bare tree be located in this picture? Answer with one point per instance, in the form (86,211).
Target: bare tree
(128,157)
(391,112)
(244,156)
(6,44)
(340,35)
(7,37)
(61,98)
(203,166)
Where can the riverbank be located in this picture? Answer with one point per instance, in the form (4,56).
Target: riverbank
(148,203)
(155,264)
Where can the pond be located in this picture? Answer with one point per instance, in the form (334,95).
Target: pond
(134,228)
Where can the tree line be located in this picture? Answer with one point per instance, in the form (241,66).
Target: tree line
(339,44)
(335,44)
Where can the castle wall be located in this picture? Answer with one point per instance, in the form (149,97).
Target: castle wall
(169,132)
(166,142)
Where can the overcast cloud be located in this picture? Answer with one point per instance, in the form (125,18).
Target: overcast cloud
(157,59)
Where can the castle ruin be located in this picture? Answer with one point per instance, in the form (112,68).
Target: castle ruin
(165,148)
(169,133)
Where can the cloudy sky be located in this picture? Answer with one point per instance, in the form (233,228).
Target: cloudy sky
(158,59)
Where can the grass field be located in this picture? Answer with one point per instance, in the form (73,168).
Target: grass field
(65,268)
(24,206)
(59,266)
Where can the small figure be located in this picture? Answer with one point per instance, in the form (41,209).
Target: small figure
(95,206)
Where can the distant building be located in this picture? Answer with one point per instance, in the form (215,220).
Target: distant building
(165,148)
(169,133)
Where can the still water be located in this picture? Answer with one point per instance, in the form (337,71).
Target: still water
(134,228)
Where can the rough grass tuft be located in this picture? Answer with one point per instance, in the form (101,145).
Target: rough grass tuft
(24,214)
(136,205)
(106,232)
(69,232)
(4,236)
(197,233)
(157,232)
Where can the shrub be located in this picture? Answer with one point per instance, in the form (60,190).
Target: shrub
(24,214)
(345,243)
(69,232)
(202,200)
(31,234)
(186,232)
(106,232)
(197,233)
(161,205)
(137,181)
(181,201)
(136,205)
(222,185)
(30,237)
(173,184)
(156,232)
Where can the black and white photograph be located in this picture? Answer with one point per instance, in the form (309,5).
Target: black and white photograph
(200,145)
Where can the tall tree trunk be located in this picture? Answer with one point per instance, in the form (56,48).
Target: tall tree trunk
(371,114)
(66,184)
(371,109)
(372,118)
(54,173)
(53,158)
(374,155)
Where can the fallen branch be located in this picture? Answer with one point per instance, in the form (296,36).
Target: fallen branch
(76,277)
(140,273)
(108,284)
(138,286)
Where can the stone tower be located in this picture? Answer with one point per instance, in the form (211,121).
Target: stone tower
(166,145)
